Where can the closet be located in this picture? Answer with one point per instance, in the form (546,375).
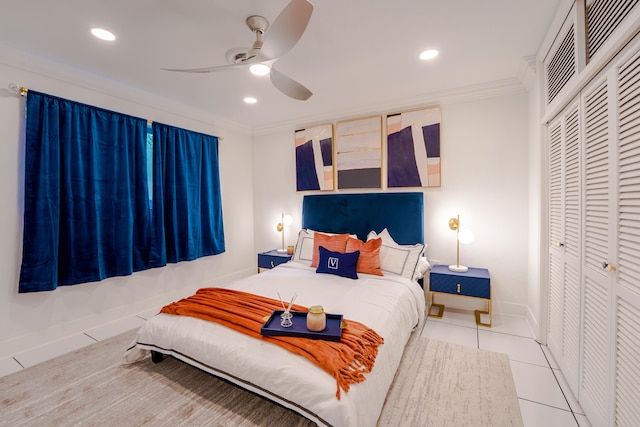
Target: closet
(593,324)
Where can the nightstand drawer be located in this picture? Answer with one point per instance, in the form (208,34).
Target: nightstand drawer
(473,283)
(272,258)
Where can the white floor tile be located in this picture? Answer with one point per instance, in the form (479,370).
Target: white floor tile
(8,365)
(537,384)
(537,415)
(564,385)
(454,316)
(451,333)
(517,348)
(511,325)
(114,328)
(54,349)
(146,315)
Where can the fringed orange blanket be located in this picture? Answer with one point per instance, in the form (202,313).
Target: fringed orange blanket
(347,361)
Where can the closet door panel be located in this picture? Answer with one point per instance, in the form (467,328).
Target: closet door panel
(595,382)
(627,346)
(564,238)
(628,185)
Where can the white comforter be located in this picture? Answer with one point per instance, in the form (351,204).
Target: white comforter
(392,306)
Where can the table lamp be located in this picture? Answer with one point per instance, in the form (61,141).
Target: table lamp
(286,220)
(462,236)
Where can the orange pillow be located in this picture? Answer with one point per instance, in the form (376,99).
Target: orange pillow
(335,243)
(369,260)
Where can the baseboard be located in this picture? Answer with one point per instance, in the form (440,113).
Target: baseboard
(39,338)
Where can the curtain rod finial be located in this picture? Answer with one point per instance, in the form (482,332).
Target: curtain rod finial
(14,88)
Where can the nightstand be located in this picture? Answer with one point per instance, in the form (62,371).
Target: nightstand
(475,283)
(272,258)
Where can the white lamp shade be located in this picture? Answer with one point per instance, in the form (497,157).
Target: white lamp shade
(465,236)
(288,220)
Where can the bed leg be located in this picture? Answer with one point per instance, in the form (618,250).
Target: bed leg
(156,356)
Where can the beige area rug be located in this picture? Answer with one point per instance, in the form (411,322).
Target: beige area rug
(437,384)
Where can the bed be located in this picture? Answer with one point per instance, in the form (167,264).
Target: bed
(393,305)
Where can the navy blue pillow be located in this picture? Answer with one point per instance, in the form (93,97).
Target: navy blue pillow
(339,264)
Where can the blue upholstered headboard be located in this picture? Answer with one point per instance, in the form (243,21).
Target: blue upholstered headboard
(401,213)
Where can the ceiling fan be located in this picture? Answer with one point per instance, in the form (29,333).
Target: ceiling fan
(283,35)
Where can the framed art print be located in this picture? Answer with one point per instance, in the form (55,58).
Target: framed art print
(314,158)
(413,148)
(359,153)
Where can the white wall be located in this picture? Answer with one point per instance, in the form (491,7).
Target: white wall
(30,319)
(484,178)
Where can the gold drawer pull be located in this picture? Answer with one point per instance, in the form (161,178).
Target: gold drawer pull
(272,264)
(458,287)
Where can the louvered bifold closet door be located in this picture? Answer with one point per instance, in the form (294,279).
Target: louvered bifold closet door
(594,394)
(627,390)
(556,238)
(564,238)
(572,240)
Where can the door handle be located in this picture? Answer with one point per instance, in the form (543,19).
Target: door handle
(609,267)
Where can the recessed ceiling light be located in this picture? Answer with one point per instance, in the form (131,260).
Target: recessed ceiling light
(103,34)
(250,100)
(428,54)
(260,69)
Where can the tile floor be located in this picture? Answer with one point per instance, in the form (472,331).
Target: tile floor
(545,399)
(48,351)
(544,396)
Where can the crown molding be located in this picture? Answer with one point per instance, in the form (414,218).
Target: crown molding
(161,109)
(527,72)
(451,96)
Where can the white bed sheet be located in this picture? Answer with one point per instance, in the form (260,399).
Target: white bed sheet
(392,306)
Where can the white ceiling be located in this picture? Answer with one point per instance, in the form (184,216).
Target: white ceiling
(354,53)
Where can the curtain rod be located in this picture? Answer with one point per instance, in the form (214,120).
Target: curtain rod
(22,91)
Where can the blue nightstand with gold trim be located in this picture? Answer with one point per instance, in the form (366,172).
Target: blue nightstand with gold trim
(475,283)
(272,258)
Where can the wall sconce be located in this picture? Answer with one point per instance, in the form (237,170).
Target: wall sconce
(462,236)
(279,227)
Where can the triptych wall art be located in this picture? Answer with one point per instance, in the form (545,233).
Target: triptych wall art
(412,152)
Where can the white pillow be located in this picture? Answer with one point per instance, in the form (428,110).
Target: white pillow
(303,251)
(304,247)
(396,259)
(422,267)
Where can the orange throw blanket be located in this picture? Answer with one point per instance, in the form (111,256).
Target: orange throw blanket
(347,361)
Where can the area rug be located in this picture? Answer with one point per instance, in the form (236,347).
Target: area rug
(437,384)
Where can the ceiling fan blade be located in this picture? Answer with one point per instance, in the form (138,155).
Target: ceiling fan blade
(287,29)
(212,69)
(288,86)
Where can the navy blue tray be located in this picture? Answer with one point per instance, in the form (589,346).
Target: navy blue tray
(333,331)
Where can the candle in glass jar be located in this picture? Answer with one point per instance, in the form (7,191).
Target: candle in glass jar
(316,319)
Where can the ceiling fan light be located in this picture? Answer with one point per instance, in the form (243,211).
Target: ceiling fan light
(259,69)
(103,34)
(250,100)
(428,54)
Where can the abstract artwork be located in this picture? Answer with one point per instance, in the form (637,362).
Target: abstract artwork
(359,153)
(314,158)
(413,148)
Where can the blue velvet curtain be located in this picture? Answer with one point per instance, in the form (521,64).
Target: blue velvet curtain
(187,178)
(86,213)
